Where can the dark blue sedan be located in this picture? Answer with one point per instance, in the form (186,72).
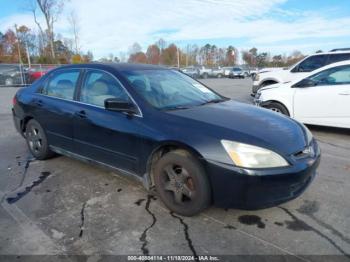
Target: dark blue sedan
(194,146)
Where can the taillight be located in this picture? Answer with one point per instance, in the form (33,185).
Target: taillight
(14,101)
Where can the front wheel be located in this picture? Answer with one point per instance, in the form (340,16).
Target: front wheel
(278,108)
(181,183)
(37,141)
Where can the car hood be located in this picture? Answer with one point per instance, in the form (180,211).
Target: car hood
(248,124)
(278,85)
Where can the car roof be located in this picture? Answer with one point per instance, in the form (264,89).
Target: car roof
(116,66)
(331,53)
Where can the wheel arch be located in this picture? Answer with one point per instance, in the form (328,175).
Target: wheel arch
(269,80)
(24,123)
(163,148)
(268,102)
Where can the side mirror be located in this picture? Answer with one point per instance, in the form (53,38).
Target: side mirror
(305,83)
(115,104)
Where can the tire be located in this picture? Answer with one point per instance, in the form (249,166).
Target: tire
(205,75)
(181,183)
(37,141)
(219,76)
(278,108)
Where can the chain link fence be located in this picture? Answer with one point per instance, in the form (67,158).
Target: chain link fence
(22,74)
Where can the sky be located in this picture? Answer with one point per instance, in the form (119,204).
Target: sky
(275,26)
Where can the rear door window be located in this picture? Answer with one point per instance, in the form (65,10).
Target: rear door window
(62,84)
(333,58)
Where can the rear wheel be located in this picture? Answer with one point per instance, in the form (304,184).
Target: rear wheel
(37,141)
(181,183)
(278,108)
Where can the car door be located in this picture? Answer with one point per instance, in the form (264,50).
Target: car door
(54,106)
(106,136)
(328,102)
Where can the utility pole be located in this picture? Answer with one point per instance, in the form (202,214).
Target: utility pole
(187,56)
(178,57)
(28,55)
(18,46)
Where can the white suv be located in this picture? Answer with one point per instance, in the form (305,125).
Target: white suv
(320,98)
(299,70)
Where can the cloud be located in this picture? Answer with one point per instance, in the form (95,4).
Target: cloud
(110,26)
(19,19)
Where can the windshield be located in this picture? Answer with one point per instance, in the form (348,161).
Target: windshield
(168,89)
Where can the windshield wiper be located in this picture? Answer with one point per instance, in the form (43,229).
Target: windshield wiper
(213,101)
(169,108)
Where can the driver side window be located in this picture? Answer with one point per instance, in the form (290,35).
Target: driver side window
(334,76)
(98,86)
(310,64)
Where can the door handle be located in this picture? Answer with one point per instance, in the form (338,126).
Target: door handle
(81,114)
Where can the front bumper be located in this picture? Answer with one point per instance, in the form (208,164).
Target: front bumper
(236,75)
(255,89)
(255,189)
(17,122)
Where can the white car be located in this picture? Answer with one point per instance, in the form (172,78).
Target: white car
(309,64)
(320,98)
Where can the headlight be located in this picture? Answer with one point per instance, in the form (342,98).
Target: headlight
(257,77)
(249,156)
(258,95)
(308,134)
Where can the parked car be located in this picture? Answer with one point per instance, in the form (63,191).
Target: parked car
(227,70)
(169,131)
(191,71)
(204,72)
(320,98)
(35,73)
(217,72)
(13,75)
(253,71)
(236,72)
(301,69)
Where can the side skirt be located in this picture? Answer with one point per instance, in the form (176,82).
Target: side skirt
(143,179)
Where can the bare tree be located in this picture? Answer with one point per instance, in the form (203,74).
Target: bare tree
(74,23)
(50,9)
(135,48)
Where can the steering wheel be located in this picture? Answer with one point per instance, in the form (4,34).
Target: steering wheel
(174,95)
(327,80)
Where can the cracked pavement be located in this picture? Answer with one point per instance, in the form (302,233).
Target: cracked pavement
(64,206)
